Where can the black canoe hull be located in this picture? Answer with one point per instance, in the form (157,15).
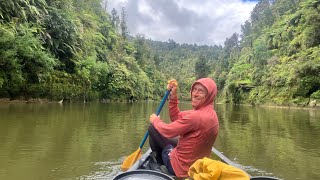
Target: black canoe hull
(145,163)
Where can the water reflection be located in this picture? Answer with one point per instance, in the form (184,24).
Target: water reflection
(281,141)
(90,141)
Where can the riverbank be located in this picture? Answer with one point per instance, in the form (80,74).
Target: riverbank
(291,106)
(315,105)
(43,100)
(30,100)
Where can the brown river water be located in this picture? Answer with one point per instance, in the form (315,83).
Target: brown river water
(90,141)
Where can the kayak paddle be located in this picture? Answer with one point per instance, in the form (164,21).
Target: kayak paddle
(132,158)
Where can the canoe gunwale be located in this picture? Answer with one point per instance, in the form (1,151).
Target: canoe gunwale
(145,156)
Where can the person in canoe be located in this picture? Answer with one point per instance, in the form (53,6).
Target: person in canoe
(191,134)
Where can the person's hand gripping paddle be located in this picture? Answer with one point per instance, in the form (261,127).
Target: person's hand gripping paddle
(132,158)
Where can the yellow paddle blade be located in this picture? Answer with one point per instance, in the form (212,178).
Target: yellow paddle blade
(130,160)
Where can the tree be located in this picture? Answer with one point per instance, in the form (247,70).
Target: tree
(261,17)
(63,39)
(115,20)
(157,59)
(24,64)
(123,23)
(201,67)
(231,50)
(23,10)
(246,37)
(105,4)
(231,43)
(283,6)
(142,50)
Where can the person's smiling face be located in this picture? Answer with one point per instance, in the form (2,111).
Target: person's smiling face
(198,94)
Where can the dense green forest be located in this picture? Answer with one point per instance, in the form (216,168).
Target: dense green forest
(76,50)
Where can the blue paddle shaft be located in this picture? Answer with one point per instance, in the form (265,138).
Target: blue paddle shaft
(165,97)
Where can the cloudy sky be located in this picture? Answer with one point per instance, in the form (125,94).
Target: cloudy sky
(185,21)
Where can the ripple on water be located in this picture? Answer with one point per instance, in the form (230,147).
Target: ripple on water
(105,170)
(252,170)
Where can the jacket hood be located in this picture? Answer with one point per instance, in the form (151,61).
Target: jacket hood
(211,87)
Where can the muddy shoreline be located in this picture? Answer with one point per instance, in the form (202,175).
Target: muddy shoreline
(46,101)
(30,100)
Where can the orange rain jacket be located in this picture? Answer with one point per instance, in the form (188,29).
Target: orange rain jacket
(197,128)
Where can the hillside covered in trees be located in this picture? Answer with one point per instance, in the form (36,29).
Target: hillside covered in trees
(76,50)
(275,60)
(70,49)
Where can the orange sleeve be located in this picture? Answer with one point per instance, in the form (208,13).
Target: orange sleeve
(178,127)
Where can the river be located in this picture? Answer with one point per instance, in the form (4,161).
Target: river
(90,141)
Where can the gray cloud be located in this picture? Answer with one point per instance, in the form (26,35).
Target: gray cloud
(185,21)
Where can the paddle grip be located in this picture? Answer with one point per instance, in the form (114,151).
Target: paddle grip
(165,97)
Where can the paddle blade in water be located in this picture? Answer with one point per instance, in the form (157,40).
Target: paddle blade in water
(130,160)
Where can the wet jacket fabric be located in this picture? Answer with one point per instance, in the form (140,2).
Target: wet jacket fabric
(208,169)
(197,128)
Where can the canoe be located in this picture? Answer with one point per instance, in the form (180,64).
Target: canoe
(147,168)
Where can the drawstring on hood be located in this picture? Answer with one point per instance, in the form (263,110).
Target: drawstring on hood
(211,87)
